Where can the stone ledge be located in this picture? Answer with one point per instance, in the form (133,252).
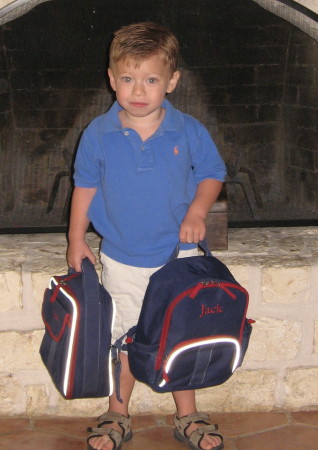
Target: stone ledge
(278,267)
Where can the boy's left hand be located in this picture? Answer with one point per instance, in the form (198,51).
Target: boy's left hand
(192,229)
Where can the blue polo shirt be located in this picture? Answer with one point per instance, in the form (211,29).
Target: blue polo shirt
(144,188)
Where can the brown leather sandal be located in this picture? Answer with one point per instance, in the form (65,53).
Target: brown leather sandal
(102,430)
(183,423)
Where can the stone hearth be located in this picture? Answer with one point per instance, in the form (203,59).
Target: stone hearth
(279,268)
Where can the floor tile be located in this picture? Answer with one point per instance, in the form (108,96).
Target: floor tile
(29,440)
(146,421)
(308,417)
(287,438)
(248,431)
(74,427)
(238,424)
(9,424)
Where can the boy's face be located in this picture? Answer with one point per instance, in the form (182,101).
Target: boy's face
(141,90)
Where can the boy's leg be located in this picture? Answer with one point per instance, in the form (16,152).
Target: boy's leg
(127,382)
(185,400)
(126,285)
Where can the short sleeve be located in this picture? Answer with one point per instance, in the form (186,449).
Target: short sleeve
(87,164)
(205,157)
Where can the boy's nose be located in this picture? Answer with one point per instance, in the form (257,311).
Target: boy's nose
(138,89)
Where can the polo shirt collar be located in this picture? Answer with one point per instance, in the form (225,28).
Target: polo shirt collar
(173,120)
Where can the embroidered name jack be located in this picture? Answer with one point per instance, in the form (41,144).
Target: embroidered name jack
(211,310)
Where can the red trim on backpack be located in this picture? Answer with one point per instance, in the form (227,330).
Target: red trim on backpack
(192,293)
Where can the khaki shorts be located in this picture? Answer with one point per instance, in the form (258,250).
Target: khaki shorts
(127,286)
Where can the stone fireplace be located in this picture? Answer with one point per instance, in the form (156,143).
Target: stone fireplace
(247,74)
(251,77)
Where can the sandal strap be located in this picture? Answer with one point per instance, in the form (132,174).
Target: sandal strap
(197,435)
(182,423)
(123,421)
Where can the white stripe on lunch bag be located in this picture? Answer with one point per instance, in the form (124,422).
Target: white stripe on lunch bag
(110,359)
(186,347)
(72,334)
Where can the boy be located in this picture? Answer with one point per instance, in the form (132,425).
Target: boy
(146,176)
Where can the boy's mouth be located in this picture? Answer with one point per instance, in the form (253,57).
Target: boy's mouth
(138,104)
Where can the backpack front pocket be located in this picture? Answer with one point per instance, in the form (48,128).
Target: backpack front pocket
(203,362)
(61,316)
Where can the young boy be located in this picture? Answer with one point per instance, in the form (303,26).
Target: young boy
(146,175)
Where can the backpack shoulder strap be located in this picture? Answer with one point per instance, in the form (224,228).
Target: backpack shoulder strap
(203,245)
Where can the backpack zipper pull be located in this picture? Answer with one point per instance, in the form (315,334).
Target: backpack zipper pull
(195,290)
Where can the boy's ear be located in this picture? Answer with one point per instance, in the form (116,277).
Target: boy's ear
(111,79)
(173,81)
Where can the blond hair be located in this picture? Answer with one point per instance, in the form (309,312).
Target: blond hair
(142,40)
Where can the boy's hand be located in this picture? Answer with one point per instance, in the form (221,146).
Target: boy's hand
(76,252)
(192,229)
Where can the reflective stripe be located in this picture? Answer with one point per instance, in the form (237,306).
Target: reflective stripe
(176,353)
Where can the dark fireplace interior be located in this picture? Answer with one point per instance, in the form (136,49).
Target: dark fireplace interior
(250,76)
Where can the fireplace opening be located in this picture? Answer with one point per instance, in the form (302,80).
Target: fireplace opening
(249,75)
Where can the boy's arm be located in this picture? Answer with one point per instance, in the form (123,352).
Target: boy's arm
(193,229)
(78,248)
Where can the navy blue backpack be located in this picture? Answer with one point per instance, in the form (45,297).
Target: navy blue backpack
(192,330)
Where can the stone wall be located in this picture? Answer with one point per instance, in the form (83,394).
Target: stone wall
(300,122)
(278,267)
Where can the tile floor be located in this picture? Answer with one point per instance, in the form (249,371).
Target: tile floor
(248,431)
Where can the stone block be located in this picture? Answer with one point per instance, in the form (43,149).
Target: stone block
(301,388)
(241,274)
(37,400)
(285,284)
(12,395)
(4,102)
(246,390)
(274,339)
(20,351)
(10,291)
(79,407)
(40,281)
(316,337)
(146,400)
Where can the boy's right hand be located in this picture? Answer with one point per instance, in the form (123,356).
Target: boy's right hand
(76,252)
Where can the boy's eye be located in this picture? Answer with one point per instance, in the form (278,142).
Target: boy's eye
(152,80)
(126,79)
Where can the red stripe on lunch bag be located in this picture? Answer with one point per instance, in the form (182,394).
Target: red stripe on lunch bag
(62,278)
(61,282)
(66,322)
